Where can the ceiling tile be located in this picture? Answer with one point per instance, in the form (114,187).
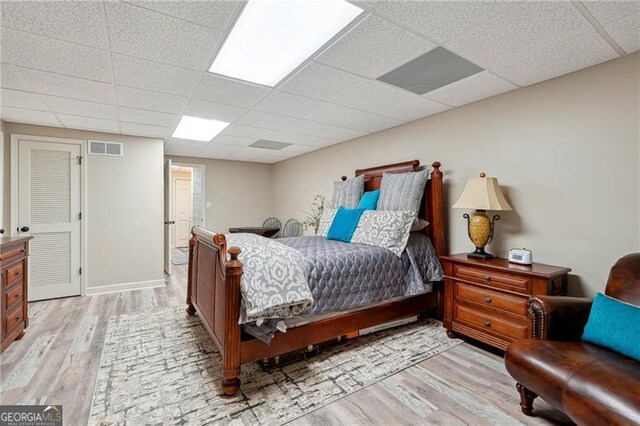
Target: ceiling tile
(214,88)
(440,21)
(470,89)
(297,138)
(86,123)
(609,11)
(153,101)
(321,82)
(249,154)
(81,108)
(300,149)
(183,147)
(153,118)
(274,157)
(150,35)
(10,78)
(32,51)
(233,140)
(69,87)
(19,115)
(626,32)
(314,128)
(76,21)
(374,97)
(141,74)
(414,109)
(216,150)
(19,99)
(246,131)
(212,111)
(568,56)
(288,104)
(265,120)
(213,14)
(353,119)
(145,130)
(526,27)
(374,47)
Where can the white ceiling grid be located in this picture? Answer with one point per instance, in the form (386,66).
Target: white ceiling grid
(135,67)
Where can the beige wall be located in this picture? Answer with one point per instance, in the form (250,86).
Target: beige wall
(240,193)
(566,153)
(124,206)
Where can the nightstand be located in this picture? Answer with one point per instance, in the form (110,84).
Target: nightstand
(487,299)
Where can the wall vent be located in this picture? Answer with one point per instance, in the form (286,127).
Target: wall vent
(113,149)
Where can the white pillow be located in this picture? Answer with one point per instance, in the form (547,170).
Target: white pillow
(348,193)
(326,220)
(388,229)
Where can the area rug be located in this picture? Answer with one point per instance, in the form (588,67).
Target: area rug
(161,366)
(180,261)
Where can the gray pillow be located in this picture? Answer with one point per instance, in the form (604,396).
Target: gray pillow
(402,191)
(328,214)
(348,193)
(388,229)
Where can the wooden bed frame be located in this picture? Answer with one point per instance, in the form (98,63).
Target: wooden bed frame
(214,290)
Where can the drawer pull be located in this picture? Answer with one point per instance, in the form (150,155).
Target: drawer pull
(487,277)
(487,323)
(488,300)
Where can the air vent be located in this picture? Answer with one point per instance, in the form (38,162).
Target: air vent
(263,143)
(436,68)
(113,149)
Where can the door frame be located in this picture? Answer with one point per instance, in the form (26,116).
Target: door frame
(204,186)
(13,223)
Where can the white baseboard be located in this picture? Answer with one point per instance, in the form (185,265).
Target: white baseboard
(112,288)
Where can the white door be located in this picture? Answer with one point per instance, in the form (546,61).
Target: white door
(168,219)
(182,213)
(49,210)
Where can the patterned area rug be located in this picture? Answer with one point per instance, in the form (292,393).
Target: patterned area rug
(161,366)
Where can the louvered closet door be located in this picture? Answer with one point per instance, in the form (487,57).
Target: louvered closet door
(49,205)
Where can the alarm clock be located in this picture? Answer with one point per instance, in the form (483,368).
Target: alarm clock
(521,256)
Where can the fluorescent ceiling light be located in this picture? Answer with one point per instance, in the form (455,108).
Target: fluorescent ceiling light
(271,38)
(198,129)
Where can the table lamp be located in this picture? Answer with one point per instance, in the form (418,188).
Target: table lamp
(482,194)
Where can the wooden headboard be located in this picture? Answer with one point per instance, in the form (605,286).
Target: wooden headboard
(431,206)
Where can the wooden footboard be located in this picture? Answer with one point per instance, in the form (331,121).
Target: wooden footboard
(213,290)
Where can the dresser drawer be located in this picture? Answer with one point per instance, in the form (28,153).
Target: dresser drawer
(14,273)
(490,323)
(14,318)
(495,279)
(12,254)
(491,299)
(13,295)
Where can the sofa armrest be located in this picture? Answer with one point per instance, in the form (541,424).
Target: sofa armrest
(559,318)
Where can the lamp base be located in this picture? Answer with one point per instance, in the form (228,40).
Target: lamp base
(480,254)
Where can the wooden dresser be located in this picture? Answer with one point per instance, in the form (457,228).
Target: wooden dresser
(14,252)
(486,299)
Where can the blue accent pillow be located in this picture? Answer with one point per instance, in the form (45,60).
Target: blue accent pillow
(369,200)
(614,325)
(344,224)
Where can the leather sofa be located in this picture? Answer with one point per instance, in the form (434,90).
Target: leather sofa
(590,384)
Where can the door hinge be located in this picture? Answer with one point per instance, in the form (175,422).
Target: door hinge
(79,159)
(80,271)
(80,216)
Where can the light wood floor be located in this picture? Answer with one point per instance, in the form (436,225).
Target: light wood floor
(57,361)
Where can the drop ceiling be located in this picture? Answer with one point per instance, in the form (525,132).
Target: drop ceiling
(136,67)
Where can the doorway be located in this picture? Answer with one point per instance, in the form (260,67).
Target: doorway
(185,202)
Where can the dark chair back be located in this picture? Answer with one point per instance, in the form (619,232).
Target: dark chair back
(291,229)
(273,222)
(624,279)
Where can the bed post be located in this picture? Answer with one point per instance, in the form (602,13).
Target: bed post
(437,210)
(191,310)
(231,343)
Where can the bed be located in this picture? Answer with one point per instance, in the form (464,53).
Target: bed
(213,290)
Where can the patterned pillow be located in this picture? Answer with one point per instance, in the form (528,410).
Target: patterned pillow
(402,191)
(388,229)
(348,193)
(326,220)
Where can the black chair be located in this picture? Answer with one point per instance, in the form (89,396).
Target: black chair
(273,222)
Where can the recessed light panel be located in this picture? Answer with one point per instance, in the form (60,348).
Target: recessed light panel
(271,38)
(266,144)
(436,68)
(198,129)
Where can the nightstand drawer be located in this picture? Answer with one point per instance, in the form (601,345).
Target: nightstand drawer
(491,299)
(489,323)
(14,273)
(13,295)
(14,318)
(486,277)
